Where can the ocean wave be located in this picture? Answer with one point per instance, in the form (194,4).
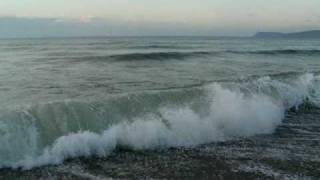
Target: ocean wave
(192,54)
(170,55)
(280,52)
(158,55)
(154,46)
(220,112)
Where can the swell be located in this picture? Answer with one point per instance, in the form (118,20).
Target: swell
(50,133)
(279,52)
(159,46)
(157,55)
(151,56)
(171,55)
(193,54)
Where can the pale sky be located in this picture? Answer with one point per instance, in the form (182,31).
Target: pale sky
(219,17)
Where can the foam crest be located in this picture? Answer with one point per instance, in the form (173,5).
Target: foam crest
(81,144)
(237,114)
(290,94)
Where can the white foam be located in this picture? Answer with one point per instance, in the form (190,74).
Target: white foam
(82,144)
(290,94)
(232,114)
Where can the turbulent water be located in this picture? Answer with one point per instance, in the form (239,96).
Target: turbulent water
(83,97)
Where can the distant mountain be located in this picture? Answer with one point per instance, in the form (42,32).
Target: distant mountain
(304,34)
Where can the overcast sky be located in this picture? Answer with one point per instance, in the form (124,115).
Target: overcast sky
(155,17)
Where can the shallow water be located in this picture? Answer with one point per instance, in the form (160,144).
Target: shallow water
(84,97)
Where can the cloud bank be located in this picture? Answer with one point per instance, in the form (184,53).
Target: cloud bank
(23,27)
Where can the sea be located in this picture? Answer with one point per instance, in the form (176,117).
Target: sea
(68,103)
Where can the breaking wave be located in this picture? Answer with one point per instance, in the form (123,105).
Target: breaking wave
(51,133)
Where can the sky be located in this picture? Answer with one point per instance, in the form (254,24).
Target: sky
(24,18)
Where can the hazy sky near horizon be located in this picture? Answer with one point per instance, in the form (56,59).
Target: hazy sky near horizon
(236,17)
